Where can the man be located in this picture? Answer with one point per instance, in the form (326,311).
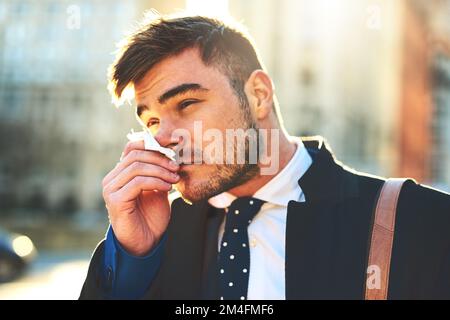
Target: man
(299,232)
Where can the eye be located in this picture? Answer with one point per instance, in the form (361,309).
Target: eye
(186,103)
(152,122)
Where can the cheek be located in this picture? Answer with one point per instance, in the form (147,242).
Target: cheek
(196,126)
(206,121)
(220,117)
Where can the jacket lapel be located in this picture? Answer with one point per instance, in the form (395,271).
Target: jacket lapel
(312,226)
(181,268)
(210,283)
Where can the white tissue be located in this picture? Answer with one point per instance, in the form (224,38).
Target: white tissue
(150,143)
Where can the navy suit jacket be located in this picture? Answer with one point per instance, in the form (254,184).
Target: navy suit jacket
(327,240)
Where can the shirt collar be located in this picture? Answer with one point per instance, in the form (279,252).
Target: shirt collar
(280,189)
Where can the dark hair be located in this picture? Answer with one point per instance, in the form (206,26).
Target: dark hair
(222,45)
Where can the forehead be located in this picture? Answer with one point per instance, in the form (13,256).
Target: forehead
(186,67)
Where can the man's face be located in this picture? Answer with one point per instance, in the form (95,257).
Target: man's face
(180,91)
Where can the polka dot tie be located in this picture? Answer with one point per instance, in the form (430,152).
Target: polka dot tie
(234,255)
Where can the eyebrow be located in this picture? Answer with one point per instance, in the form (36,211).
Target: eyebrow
(180,89)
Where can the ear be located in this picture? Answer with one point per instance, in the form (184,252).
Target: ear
(259,90)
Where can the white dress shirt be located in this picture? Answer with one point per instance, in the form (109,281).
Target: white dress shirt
(267,232)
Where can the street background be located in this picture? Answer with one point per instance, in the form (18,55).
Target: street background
(372,76)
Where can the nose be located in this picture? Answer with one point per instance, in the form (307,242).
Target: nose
(165,137)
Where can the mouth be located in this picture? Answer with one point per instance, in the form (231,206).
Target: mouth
(184,166)
(190,163)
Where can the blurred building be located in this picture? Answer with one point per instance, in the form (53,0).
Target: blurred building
(440,151)
(425,104)
(372,76)
(439,62)
(59,132)
(335,65)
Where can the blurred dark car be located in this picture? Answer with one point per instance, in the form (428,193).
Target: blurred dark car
(16,253)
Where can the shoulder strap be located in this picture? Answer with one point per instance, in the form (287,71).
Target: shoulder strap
(382,239)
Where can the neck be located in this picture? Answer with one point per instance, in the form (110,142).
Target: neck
(285,153)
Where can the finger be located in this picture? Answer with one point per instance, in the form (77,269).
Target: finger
(141,169)
(132,189)
(147,156)
(133,145)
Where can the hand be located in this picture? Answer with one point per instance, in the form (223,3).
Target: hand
(136,196)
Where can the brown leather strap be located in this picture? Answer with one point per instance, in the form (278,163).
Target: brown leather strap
(381,241)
